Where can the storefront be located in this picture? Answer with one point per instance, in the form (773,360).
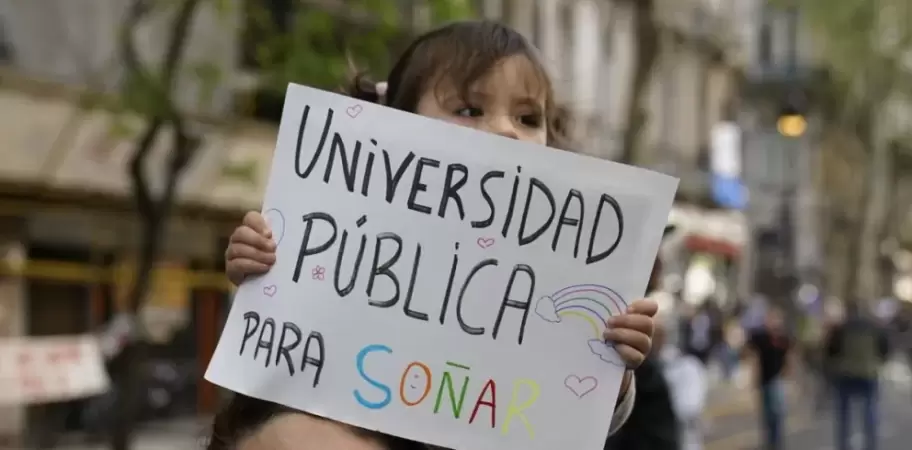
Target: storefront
(703,255)
(68,236)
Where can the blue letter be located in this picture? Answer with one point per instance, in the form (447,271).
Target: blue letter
(386,390)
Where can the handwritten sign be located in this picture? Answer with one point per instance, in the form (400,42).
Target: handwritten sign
(439,283)
(48,369)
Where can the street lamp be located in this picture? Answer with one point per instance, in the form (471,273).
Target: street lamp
(791,125)
(791,122)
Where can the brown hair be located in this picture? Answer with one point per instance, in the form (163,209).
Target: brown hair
(461,53)
(244,416)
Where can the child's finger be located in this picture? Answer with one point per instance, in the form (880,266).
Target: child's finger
(244,251)
(244,267)
(642,324)
(631,356)
(646,307)
(257,222)
(639,341)
(249,236)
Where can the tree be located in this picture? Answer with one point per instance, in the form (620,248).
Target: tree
(325,42)
(150,93)
(313,47)
(646,37)
(865,45)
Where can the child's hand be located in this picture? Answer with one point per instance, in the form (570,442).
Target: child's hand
(251,250)
(632,332)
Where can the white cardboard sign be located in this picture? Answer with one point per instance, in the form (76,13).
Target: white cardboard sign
(49,369)
(439,283)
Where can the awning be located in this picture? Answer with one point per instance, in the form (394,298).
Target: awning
(714,231)
(48,143)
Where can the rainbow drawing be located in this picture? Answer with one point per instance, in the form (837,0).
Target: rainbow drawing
(592,304)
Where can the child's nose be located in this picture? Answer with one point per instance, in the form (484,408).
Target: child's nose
(504,126)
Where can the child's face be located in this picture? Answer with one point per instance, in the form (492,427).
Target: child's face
(500,102)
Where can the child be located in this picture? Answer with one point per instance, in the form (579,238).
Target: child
(477,74)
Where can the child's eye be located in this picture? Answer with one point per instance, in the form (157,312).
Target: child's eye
(531,120)
(469,111)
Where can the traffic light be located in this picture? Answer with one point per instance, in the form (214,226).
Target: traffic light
(792,122)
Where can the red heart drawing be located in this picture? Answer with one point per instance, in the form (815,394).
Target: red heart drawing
(580,386)
(270,290)
(485,242)
(353,111)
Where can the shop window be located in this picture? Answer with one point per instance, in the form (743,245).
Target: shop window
(57,306)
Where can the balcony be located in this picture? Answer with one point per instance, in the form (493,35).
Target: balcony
(713,24)
(696,182)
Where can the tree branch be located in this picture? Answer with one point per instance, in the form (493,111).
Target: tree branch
(179,34)
(148,206)
(145,204)
(647,53)
(135,14)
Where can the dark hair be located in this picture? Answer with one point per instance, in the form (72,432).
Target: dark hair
(463,52)
(244,416)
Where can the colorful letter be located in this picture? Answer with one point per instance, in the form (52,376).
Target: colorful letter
(403,381)
(448,382)
(387,393)
(489,403)
(514,410)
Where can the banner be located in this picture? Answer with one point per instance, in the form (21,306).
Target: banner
(50,369)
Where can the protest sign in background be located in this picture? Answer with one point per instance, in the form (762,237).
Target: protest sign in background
(49,369)
(440,283)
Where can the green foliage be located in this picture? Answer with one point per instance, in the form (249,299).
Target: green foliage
(866,44)
(321,47)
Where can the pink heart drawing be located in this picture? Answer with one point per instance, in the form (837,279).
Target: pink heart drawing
(353,111)
(580,386)
(485,242)
(270,290)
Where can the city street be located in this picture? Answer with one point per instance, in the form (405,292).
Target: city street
(810,430)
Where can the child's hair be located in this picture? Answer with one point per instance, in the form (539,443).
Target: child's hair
(244,416)
(461,53)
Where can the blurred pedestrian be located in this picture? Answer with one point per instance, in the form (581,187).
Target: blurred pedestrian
(732,344)
(688,381)
(856,351)
(770,351)
(702,333)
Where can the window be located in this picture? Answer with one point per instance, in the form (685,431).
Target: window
(6,48)
(567,22)
(608,29)
(765,44)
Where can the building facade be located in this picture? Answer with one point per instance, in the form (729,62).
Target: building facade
(590,47)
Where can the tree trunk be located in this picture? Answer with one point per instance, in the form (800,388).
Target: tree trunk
(876,208)
(646,36)
(154,211)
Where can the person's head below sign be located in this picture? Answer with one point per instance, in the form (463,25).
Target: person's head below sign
(477,74)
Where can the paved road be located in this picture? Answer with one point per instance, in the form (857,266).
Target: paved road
(812,430)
